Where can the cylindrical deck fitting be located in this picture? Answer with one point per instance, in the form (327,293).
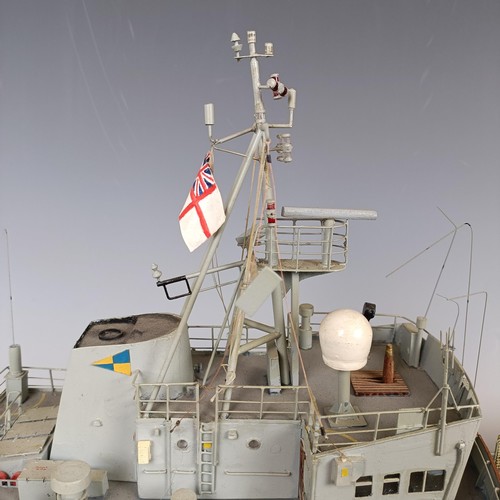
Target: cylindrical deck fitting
(15,364)
(388,373)
(305,330)
(421,326)
(71,480)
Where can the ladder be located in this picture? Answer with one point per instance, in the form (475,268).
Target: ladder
(207,458)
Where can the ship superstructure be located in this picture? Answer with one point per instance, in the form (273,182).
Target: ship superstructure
(310,404)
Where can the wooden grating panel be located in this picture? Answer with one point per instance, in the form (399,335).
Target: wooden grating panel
(369,383)
(40,413)
(30,429)
(23,446)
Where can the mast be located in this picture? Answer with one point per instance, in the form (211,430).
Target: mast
(264,158)
(258,145)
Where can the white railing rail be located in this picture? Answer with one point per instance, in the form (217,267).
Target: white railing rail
(293,403)
(489,476)
(204,337)
(309,241)
(44,379)
(168,401)
(379,425)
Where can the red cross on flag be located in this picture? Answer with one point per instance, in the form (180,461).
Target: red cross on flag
(203,213)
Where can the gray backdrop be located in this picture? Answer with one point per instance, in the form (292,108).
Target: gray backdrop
(101,134)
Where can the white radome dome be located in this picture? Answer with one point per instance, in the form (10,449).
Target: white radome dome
(345,337)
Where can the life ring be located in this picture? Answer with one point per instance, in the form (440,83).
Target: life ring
(13,477)
(3,478)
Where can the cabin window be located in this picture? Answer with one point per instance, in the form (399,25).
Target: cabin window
(364,486)
(416,482)
(391,484)
(434,480)
(431,480)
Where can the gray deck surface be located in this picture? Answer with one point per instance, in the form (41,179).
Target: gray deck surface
(323,381)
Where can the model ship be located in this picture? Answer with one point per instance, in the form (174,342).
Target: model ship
(309,404)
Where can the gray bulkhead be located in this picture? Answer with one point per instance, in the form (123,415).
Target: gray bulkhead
(97,412)
(235,459)
(392,467)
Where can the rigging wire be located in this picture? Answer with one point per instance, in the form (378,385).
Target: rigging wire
(251,234)
(10,288)
(248,268)
(247,217)
(485,306)
(443,265)
(292,325)
(466,324)
(453,232)
(216,276)
(246,238)
(217,281)
(235,332)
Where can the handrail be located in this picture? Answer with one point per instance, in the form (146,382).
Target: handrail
(208,342)
(316,242)
(155,400)
(55,383)
(304,409)
(489,476)
(349,436)
(394,317)
(292,407)
(8,415)
(50,382)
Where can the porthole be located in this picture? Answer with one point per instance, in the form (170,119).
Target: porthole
(253,444)
(182,444)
